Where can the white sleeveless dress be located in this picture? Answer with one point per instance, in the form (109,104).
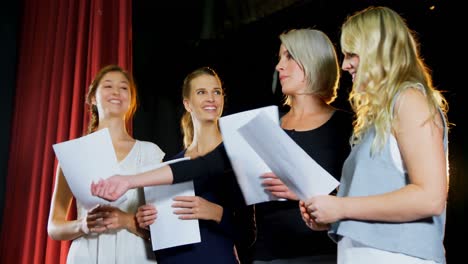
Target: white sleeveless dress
(121,246)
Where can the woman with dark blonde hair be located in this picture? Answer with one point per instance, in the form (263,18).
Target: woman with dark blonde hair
(218,197)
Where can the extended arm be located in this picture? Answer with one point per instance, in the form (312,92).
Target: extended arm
(212,164)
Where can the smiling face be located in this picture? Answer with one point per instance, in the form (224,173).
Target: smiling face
(206,98)
(291,75)
(350,64)
(113,96)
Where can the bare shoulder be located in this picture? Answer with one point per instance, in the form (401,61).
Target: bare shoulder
(414,109)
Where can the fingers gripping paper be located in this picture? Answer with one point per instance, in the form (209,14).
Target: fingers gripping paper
(167,224)
(303,175)
(87,159)
(246,163)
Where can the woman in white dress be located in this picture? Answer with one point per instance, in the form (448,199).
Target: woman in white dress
(107,234)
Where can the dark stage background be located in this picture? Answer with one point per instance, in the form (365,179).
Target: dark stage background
(239,39)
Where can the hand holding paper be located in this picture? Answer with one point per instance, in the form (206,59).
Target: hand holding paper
(275,186)
(168,223)
(85,160)
(286,159)
(246,163)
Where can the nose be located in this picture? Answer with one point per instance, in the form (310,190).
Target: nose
(210,97)
(116,90)
(279,66)
(346,65)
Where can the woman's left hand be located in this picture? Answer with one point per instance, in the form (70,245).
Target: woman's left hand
(112,218)
(196,207)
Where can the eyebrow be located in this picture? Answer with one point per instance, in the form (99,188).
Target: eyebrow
(123,81)
(281,53)
(203,88)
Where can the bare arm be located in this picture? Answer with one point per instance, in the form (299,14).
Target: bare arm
(114,187)
(209,165)
(58,227)
(420,141)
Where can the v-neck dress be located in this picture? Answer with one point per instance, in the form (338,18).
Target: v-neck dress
(120,246)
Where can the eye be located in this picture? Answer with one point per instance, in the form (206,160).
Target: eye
(200,92)
(286,55)
(218,92)
(349,55)
(124,88)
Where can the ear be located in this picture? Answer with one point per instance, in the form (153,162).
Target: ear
(93,100)
(187,105)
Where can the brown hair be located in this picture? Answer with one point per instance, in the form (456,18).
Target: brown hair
(94,115)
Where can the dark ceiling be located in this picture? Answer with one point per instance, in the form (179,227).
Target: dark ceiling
(239,39)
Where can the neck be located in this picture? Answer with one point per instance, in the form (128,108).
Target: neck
(307,104)
(206,137)
(116,128)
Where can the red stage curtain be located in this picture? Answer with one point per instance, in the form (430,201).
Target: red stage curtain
(62,44)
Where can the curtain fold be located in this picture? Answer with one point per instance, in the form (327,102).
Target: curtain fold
(62,45)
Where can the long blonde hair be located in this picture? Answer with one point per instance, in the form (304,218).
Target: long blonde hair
(94,115)
(389,61)
(186,122)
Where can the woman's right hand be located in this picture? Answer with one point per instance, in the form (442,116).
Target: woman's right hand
(309,220)
(276,187)
(111,188)
(146,215)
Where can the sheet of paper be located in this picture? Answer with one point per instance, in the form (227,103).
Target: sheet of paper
(87,159)
(246,163)
(287,160)
(168,230)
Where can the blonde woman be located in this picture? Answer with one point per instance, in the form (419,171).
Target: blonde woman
(218,198)
(391,203)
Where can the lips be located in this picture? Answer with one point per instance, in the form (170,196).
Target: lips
(209,108)
(115,101)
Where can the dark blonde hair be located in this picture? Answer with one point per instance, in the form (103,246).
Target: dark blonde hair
(186,123)
(94,115)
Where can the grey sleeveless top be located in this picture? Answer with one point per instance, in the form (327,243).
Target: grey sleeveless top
(364,175)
